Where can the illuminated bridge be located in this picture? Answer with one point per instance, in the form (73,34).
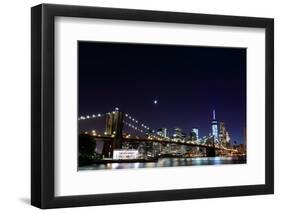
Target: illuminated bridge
(114,138)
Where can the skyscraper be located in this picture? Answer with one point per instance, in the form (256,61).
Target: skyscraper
(162,132)
(179,133)
(224,137)
(222,134)
(196,131)
(215,127)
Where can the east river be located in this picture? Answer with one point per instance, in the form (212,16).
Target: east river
(169,162)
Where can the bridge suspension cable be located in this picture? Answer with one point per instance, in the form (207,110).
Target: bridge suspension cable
(142,125)
(93,116)
(131,122)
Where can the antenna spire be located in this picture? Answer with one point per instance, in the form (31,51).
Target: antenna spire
(214,114)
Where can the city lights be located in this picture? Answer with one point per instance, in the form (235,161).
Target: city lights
(218,139)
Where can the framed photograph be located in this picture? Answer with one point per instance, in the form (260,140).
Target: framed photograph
(139,106)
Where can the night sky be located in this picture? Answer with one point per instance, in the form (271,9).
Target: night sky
(187,81)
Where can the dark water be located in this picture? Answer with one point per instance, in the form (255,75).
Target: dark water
(169,162)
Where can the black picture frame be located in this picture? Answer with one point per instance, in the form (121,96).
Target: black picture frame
(43,117)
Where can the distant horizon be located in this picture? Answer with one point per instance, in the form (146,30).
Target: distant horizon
(165,86)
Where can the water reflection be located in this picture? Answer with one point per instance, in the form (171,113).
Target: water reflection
(168,162)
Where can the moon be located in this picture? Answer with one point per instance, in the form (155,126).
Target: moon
(155,102)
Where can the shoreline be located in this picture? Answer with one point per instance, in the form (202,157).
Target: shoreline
(152,160)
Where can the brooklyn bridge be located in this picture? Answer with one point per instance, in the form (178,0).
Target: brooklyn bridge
(115,138)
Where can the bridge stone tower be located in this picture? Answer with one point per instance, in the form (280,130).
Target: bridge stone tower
(211,151)
(114,127)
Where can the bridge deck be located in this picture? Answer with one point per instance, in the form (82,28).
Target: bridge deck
(109,139)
